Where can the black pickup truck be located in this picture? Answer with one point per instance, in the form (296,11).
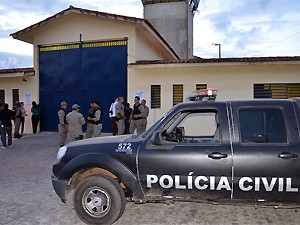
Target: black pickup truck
(246,150)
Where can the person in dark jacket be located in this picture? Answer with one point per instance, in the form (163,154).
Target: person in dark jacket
(127,112)
(6,116)
(94,120)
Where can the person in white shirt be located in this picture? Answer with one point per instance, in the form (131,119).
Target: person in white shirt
(112,116)
(23,117)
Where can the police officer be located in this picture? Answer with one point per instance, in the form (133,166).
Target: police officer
(145,114)
(136,116)
(94,120)
(62,124)
(75,120)
(127,112)
(120,117)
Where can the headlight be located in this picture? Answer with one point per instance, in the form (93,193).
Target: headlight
(61,153)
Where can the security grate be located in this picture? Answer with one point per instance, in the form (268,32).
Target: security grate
(177,93)
(155,96)
(278,90)
(16,97)
(2,96)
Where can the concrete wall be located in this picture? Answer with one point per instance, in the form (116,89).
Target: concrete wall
(29,86)
(174,21)
(233,81)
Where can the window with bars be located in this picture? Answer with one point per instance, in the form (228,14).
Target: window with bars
(155,96)
(15,94)
(177,93)
(201,86)
(278,90)
(2,96)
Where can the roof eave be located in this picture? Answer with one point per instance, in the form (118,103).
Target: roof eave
(18,72)
(287,60)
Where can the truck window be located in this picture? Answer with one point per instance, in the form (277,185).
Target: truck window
(262,125)
(194,127)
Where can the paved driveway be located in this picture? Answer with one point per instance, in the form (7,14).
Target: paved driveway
(27,196)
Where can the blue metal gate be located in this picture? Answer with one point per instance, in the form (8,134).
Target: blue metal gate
(78,73)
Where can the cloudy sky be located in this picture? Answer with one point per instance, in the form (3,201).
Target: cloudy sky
(244,28)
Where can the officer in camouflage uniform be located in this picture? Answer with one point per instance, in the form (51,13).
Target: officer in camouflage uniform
(75,120)
(62,124)
(145,114)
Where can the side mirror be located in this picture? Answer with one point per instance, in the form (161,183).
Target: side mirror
(156,138)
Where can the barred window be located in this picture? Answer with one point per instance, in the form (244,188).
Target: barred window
(201,86)
(155,96)
(15,93)
(2,96)
(278,90)
(177,93)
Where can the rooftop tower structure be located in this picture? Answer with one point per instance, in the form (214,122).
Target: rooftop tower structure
(173,19)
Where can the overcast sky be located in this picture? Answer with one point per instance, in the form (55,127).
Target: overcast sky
(244,28)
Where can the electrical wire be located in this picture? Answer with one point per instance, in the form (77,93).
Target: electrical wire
(284,40)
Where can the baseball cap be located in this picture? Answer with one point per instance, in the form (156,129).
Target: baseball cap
(63,103)
(75,106)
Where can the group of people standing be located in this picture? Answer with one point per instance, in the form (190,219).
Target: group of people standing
(17,114)
(125,120)
(70,124)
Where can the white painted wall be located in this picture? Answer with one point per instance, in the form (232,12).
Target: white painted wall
(28,86)
(233,81)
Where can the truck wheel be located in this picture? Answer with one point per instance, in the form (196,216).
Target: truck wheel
(99,199)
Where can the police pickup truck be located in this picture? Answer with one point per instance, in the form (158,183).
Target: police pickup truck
(246,150)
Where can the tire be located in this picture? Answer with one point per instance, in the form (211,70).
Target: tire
(99,199)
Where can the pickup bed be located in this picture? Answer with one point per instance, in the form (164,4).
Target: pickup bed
(245,150)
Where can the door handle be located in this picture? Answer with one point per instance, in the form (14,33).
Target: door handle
(287,155)
(217,155)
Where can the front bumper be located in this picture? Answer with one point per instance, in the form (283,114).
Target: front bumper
(59,187)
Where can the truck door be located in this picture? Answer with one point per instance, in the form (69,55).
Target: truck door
(193,159)
(266,151)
